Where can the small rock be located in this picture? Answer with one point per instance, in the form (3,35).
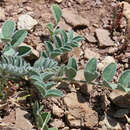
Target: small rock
(72,121)
(74,19)
(109,123)
(76,53)
(120,98)
(57,111)
(103,37)
(57,123)
(64,26)
(80,75)
(100,66)
(79,111)
(8,128)
(107,60)
(2,14)
(26,22)
(90,54)
(58,1)
(66,128)
(80,1)
(21,121)
(90,38)
(126,10)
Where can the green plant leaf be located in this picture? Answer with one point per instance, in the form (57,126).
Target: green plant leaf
(8,51)
(1,36)
(70,35)
(45,127)
(52,129)
(46,116)
(110,85)
(78,39)
(23,50)
(109,72)
(8,29)
(36,108)
(57,31)
(122,88)
(43,54)
(35,78)
(38,120)
(45,63)
(39,62)
(18,37)
(64,37)
(6,39)
(54,92)
(39,83)
(46,75)
(42,90)
(89,77)
(70,72)
(48,46)
(57,41)
(61,70)
(55,53)
(50,28)
(72,63)
(91,66)
(66,48)
(50,84)
(124,79)
(74,44)
(56,11)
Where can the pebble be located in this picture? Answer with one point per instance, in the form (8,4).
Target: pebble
(79,111)
(74,19)
(103,37)
(2,14)
(90,38)
(120,98)
(90,54)
(57,123)
(26,22)
(107,60)
(57,111)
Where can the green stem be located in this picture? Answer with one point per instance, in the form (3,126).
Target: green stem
(62,79)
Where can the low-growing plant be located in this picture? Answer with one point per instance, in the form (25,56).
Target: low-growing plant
(41,118)
(60,41)
(12,39)
(46,72)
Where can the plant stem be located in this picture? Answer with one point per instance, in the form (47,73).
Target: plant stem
(62,79)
